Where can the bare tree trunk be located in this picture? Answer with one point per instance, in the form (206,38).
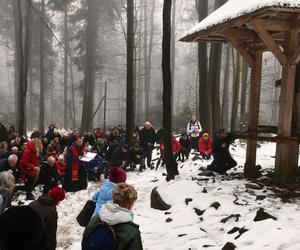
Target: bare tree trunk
(225,102)
(149,64)
(171,164)
(73,117)
(90,66)
(204,90)
(173,53)
(243,113)
(22,54)
(42,73)
(130,70)
(66,37)
(235,91)
(145,55)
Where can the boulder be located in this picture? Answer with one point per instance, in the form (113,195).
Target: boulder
(215,205)
(262,215)
(157,202)
(229,246)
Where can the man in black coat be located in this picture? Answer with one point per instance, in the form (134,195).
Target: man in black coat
(49,175)
(223,160)
(137,157)
(120,156)
(186,146)
(147,141)
(50,133)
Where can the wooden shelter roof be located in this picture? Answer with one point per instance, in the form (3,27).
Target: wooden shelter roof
(235,17)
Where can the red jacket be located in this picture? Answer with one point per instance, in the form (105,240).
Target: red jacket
(176,147)
(29,160)
(205,147)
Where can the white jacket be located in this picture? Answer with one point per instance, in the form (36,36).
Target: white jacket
(113,214)
(192,126)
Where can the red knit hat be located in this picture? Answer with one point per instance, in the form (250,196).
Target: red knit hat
(117,175)
(57,194)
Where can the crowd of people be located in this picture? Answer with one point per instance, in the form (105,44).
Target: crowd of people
(56,162)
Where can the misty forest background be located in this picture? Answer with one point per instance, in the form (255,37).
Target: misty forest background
(67,50)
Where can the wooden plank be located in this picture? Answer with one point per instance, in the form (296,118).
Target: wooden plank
(274,24)
(236,44)
(255,89)
(296,56)
(258,26)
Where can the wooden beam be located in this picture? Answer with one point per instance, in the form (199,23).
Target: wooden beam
(260,29)
(296,56)
(236,44)
(254,101)
(286,140)
(274,24)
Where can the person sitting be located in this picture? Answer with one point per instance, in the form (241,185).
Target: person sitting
(10,164)
(7,188)
(115,222)
(186,147)
(45,206)
(137,157)
(21,227)
(61,166)
(49,175)
(205,146)
(104,193)
(120,156)
(95,168)
(223,160)
(100,147)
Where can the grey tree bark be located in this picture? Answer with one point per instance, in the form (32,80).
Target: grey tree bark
(42,73)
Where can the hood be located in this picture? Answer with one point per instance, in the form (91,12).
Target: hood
(46,200)
(106,190)
(113,214)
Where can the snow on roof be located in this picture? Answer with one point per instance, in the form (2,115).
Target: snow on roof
(237,8)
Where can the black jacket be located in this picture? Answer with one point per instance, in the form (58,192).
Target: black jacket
(220,152)
(48,173)
(186,144)
(147,136)
(118,156)
(135,153)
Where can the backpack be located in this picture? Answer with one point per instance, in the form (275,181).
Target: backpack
(103,237)
(195,123)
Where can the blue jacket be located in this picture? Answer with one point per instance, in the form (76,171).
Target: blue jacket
(103,195)
(96,163)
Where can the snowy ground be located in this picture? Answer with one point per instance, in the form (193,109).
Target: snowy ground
(187,230)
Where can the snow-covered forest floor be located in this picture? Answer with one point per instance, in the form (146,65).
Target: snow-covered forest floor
(193,223)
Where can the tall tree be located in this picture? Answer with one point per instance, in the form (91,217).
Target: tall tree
(214,77)
(173,51)
(243,113)
(22,35)
(171,164)
(225,101)
(130,119)
(149,64)
(42,72)
(204,89)
(145,57)
(90,66)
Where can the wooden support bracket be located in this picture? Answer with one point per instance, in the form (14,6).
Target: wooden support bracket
(259,27)
(236,44)
(296,56)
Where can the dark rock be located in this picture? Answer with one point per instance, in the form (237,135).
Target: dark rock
(229,246)
(202,169)
(166,213)
(188,200)
(215,205)
(234,230)
(203,230)
(203,179)
(241,231)
(169,220)
(181,235)
(155,180)
(204,191)
(157,202)
(213,180)
(262,215)
(206,173)
(198,211)
(260,197)
(253,186)
(164,174)
(235,216)
(206,246)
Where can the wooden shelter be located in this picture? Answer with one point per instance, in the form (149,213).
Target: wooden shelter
(253,27)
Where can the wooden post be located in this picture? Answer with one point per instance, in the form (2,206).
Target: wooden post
(253,112)
(287,155)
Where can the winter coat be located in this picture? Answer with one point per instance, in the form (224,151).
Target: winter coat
(50,135)
(61,168)
(103,195)
(29,161)
(90,139)
(192,126)
(136,155)
(101,149)
(185,144)
(45,206)
(205,147)
(147,136)
(4,166)
(222,153)
(95,163)
(118,156)
(48,174)
(176,147)
(128,236)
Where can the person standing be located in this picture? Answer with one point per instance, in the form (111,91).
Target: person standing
(76,175)
(147,141)
(194,129)
(45,206)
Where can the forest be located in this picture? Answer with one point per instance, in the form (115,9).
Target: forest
(65,62)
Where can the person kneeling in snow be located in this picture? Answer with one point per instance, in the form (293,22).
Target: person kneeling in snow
(205,146)
(113,228)
(223,160)
(137,157)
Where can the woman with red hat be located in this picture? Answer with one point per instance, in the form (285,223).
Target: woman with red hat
(45,206)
